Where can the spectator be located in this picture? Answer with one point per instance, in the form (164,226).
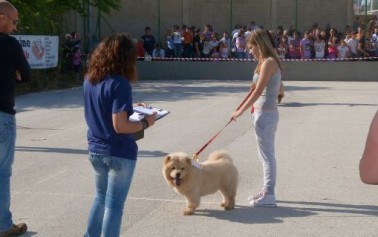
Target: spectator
(148,40)
(76,63)
(215,52)
(361,48)
(352,44)
(235,30)
(177,40)
(197,44)
(278,35)
(224,50)
(240,44)
(158,51)
(305,46)
(75,40)
(170,50)
(206,38)
(374,41)
(226,39)
(213,43)
(66,53)
(332,48)
(288,36)
(294,46)
(188,42)
(342,50)
(325,37)
(319,47)
(283,48)
(139,48)
(254,26)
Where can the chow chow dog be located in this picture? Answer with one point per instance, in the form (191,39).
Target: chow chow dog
(193,180)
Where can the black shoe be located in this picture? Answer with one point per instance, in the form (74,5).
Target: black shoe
(15,230)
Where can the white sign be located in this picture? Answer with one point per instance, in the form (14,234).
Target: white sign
(41,51)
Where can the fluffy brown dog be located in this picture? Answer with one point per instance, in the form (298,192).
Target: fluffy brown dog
(195,180)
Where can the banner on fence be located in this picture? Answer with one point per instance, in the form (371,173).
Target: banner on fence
(41,51)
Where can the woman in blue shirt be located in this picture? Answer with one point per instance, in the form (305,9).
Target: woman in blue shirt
(111,143)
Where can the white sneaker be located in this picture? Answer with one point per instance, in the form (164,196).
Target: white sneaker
(257,196)
(266,200)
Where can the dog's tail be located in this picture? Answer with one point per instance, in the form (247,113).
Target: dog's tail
(217,155)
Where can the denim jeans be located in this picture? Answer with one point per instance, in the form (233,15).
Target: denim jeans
(113,177)
(7,146)
(265,129)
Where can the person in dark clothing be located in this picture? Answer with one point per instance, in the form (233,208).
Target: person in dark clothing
(13,68)
(148,40)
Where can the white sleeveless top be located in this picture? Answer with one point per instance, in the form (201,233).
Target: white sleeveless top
(268,98)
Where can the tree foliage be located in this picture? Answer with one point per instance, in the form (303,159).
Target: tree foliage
(47,16)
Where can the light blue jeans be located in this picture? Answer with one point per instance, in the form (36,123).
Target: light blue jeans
(7,146)
(113,177)
(265,130)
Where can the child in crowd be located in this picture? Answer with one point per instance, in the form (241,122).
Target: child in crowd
(170,44)
(294,45)
(76,62)
(352,44)
(158,51)
(224,50)
(342,50)
(215,52)
(283,48)
(332,48)
(319,46)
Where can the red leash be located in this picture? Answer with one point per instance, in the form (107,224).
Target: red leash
(195,156)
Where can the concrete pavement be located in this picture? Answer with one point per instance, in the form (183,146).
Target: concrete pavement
(321,134)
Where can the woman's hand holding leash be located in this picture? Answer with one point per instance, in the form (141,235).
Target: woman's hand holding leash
(236,114)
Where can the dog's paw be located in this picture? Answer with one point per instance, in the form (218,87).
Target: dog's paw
(228,206)
(188,211)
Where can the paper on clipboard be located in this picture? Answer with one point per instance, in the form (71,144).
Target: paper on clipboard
(140,112)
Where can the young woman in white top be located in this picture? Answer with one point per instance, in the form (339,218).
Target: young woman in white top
(263,98)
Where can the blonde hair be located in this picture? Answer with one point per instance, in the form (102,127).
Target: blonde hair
(261,39)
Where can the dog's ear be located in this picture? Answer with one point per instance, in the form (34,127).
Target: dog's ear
(167,159)
(188,160)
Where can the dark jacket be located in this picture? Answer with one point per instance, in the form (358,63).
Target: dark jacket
(12,61)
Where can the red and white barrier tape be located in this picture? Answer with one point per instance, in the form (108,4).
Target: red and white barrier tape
(251,60)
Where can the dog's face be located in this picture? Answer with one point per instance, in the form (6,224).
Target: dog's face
(176,168)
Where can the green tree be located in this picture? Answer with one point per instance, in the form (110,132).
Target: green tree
(47,16)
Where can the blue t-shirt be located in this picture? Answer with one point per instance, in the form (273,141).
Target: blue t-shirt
(112,95)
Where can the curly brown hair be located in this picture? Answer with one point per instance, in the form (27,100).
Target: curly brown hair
(115,55)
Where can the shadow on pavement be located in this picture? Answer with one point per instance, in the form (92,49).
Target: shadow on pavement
(297,104)
(51,150)
(250,215)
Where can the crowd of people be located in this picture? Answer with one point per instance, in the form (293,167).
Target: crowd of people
(72,56)
(314,43)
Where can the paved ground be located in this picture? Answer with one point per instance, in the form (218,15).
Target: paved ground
(321,134)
